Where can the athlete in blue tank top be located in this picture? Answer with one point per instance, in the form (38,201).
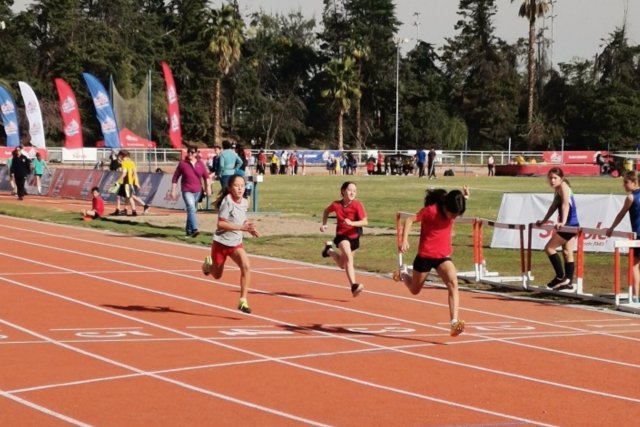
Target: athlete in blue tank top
(565,203)
(631,205)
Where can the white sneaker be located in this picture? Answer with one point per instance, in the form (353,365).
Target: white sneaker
(206,266)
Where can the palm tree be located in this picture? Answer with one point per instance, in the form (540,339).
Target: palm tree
(532,9)
(225,33)
(343,84)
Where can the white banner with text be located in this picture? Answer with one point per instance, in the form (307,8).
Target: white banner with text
(594,211)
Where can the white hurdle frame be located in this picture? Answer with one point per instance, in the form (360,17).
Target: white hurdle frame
(494,278)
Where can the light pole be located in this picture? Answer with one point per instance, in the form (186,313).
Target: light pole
(398,41)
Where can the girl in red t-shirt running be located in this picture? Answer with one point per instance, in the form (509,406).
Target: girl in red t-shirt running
(434,250)
(351,217)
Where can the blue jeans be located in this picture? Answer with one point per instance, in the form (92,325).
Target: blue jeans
(190,200)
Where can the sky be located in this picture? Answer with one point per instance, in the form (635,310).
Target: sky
(577,29)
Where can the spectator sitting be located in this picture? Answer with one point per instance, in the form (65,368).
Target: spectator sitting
(97,206)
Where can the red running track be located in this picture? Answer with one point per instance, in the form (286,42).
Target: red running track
(102,329)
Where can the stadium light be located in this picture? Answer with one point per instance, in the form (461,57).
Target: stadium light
(398,41)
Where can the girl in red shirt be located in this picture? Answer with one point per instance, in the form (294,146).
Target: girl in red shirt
(351,217)
(434,250)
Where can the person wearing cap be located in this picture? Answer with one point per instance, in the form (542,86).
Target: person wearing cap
(20,169)
(194,178)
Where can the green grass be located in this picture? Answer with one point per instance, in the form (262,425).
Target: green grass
(305,197)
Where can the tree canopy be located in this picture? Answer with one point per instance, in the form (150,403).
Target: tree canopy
(285,81)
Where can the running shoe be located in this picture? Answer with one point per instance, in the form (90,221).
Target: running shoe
(356,289)
(552,284)
(206,265)
(134,213)
(146,208)
(562,285)
(327,247)
(243,306)
(457,328)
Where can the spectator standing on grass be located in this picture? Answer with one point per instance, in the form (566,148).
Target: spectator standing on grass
(262,162)
(273,168)
(490,164)
(39,166)
(213,164)
(421,158)
(125,184)
(284,161)
(244,161)
(229,163)
(19,171)
(193,177)
(380,163)
(431,163)
(632,205)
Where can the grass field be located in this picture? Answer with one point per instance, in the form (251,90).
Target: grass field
(306,197)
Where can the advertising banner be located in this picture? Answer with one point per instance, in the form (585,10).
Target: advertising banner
(9,118)
(34,115)
(104,112)
(570,157)
(74,183)
(594,211)
(173,109)
(80,155)
(70,115)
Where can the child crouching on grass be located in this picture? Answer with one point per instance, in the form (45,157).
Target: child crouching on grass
(97,206)
(227,239)
(435,248)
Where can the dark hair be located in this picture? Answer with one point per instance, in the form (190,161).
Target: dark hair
(453,201)
(225,191)
(558,171)
(95,189)
(226,144)
(345,185)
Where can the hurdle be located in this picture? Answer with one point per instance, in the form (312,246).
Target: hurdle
(494,278)
(577,289)
(580,251)
(478,261)
(618,296)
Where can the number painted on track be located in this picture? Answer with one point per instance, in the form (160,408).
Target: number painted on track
(3,337)
(382,330)
(111,334)
(504,327)
(237,332)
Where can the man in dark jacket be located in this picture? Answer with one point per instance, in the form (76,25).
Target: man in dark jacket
(20,170)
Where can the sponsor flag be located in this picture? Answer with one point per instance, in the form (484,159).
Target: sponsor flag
(70,115)
(173,109)
(34,115)
(9,118)
(104,112)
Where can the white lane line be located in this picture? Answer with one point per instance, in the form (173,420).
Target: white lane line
(265,357)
